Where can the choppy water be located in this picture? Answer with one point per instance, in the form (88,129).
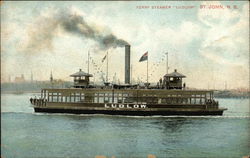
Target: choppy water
(28,134)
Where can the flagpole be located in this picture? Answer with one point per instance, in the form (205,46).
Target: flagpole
(107,67)
(147,70)
(88,62)
(167,62)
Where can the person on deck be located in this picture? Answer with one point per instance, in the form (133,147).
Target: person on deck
(31,100)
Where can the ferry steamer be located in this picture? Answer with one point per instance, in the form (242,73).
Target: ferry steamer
(140,102)
(169,97)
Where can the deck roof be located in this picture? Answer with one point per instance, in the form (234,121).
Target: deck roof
(175,74)
(81,73)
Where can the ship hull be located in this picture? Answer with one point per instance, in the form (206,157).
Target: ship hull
(133,102)
(187,112)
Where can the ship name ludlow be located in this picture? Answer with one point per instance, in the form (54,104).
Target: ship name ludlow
(125,106)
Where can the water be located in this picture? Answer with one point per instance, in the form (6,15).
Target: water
(28,134)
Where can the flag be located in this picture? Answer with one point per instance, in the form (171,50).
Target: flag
(144,57)
(104,58)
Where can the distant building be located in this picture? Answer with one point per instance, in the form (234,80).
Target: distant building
(19,79)
(51,77)
(31,77)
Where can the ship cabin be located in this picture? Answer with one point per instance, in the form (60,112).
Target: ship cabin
(81,79)
(82,94)
(173,80)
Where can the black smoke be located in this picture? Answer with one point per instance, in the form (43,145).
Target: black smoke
(76,24)
(43,31)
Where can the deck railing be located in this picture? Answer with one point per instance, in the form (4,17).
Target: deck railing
(138,96)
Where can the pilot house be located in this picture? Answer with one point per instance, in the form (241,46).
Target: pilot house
(174,80)
(81,79)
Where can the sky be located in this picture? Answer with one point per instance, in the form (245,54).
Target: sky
(209,45)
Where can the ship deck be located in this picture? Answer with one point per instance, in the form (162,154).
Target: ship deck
(128,102)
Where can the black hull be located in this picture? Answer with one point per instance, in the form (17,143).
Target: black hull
(131,113)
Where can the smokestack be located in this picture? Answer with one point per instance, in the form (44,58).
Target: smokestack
(127,64)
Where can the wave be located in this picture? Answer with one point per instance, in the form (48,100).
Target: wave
(16,112)
(104,115)
(181,116)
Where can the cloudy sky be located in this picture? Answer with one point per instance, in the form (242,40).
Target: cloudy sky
(209,46)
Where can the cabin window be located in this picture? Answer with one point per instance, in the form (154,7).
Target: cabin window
(77,97)
(96,98)
(111,97)
(58,96)
(63,98)
(50,96)
(115,100)
(81,97)
(185,99)
(101,98)
(129,99)
(119,98)
(54,97)
(192,100)
(108,97)
(89,97)
(126,98)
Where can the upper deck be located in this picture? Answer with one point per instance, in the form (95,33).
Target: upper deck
(155,96)
(168,91)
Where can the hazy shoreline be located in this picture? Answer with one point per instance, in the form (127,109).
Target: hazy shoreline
(19,92)
(217,94)
(36,86)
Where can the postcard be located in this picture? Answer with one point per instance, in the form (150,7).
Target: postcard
(121,79)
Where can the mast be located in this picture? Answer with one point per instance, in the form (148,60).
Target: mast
(88,61)
(107,66)
(167,62)
(147,70)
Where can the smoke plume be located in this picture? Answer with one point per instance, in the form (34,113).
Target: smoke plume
(43,31)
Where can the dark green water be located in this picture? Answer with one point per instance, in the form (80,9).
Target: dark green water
(26,134)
